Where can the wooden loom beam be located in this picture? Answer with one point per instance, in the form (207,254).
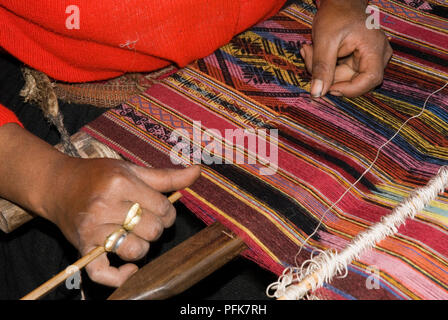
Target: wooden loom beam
(183,266)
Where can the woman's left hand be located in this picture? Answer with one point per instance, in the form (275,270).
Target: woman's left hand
(346,58)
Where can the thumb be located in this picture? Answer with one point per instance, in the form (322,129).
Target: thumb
(167,180)
(100,271)
(325,54)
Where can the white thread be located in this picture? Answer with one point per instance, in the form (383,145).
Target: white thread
(329,263)
(129,44)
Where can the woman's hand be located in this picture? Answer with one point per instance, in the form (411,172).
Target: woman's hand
(92,202)
(346,58)
(88,199)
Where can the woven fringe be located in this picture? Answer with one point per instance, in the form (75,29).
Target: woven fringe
(40,90)
(111,93)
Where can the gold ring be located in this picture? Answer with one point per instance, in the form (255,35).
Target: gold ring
(133,217)
(111,242)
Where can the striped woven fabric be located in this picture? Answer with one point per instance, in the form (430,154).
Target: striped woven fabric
(258,83)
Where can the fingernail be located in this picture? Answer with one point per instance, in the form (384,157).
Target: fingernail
(302,52)
(336,93)
(316,88)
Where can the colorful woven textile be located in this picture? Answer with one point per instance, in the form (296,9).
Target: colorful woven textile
(258,81)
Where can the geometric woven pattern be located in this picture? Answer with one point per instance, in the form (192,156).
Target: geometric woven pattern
(258,82)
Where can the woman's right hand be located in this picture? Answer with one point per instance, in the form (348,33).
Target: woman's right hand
(88,199)
(92,200)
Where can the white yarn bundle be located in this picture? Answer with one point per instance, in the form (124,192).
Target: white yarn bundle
(295,283)
(327,264)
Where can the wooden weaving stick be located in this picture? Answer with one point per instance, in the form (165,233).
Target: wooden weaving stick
(48,286)
(183,266)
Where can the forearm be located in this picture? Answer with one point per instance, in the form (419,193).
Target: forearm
(28,169)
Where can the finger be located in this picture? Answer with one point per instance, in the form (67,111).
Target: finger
(132,248)
(167,180)
(370,75)
(140,191)
(343,72)
(388,53)
(150,227)
(152,202)
(359,85)
(100,271)
(350,61)
(307,54)
(325,54)
(302,51)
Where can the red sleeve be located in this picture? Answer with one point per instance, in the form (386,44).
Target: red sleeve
(7,116)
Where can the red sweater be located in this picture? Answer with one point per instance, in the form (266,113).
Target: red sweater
(86,40)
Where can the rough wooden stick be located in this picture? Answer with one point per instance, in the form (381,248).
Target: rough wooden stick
(12,216)
(46,287)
